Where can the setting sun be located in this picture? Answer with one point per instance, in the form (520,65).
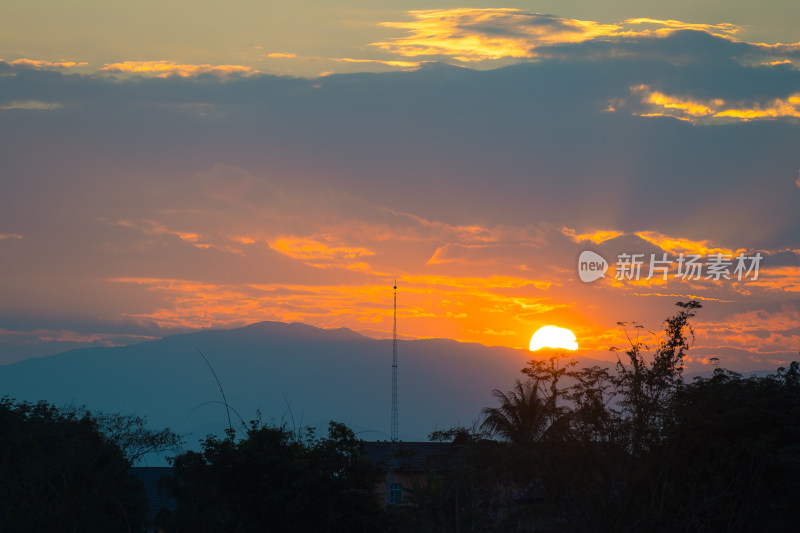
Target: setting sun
(553,337)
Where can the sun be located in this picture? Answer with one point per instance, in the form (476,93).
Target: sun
(553,337)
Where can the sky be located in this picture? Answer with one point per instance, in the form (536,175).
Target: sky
(175,166)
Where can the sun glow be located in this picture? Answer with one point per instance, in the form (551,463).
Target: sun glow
(553,337)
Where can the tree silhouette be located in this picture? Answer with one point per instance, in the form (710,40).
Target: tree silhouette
(645,387)
(275,480)
(59,472)
(522,416)
(130,433)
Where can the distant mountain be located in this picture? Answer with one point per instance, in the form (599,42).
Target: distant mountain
(321,374)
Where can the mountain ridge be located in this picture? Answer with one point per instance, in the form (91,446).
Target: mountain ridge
(283,370)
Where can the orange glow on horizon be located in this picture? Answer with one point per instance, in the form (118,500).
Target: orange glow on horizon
(484,297)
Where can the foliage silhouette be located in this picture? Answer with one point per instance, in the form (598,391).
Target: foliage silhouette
(60,472)
(634,449)
(276,480)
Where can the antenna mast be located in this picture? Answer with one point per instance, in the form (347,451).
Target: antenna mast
(394,431)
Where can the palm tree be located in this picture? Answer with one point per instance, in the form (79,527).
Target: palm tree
(522,415)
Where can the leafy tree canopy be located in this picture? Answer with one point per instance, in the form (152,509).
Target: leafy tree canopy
(60,472)
(275,480)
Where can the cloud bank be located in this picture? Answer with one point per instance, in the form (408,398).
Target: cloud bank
(180,196)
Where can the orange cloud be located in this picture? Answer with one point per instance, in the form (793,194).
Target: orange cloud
(424,229)
(242,239)
(197,240)
(152,227)
(672,245)
(163,69)
(696,110)
(667,26)
(776,108)
(753,341)
(605,340)
(472,34)
(404,64)
(189,237)
(677,245)
(466,33)
(503,333)
(778,279)
(683,106)
(683,296)
(445,291)
(491,282)
(320,254)
(44,64)
(596,237)
(499,254)
(470,309)
(4,236)
(788,318)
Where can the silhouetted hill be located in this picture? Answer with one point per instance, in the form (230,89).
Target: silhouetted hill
(323,374)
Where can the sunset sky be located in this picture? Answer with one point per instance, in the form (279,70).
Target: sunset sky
(166,167)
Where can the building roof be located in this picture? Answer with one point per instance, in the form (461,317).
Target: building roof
(410,456)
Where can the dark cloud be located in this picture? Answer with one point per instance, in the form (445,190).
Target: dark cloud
(173,178)
(526,134)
